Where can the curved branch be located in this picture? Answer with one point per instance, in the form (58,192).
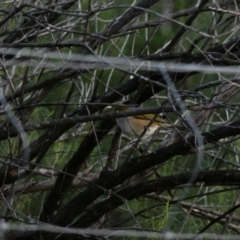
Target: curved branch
(134,166)
(209,178)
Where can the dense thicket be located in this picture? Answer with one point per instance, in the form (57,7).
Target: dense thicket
(67,171)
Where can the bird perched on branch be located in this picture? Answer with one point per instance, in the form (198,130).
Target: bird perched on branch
(137,125)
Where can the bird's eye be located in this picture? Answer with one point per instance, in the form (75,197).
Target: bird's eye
(162,115)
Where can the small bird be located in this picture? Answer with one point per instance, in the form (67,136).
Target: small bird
(136,125)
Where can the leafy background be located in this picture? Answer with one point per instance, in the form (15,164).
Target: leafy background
(64,60)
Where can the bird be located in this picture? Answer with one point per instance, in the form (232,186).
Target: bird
(137,125)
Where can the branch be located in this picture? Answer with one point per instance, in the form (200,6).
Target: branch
(209,178)
(134,166)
